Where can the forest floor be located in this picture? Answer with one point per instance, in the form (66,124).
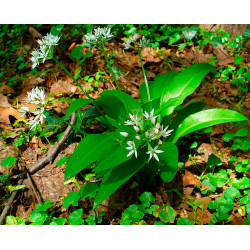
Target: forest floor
(185,194)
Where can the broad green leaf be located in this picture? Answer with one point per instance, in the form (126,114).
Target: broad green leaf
(77,104)
(184,113)
(213,160)
(167,214)
(228,136)
(222,205)
(117,176)
(184,221)
(218,179)
(168,163)
(156,87)
(205,119)
(113,107)
(58,221)
(88,151)
(75,218)
(183,85)
(133,105)
(231,193)
(241,167)
(56,30)
(71,198)
(8,162)
(146,198)
(90,220)
(88,189)
(244,200)
(190,33)
(62,160)
(241,132)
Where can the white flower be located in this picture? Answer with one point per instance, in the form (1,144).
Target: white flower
(166,133)
(100,36)
(33,123)
(150,116)
(130,40)
(39,115)
(125,134)
(138,137)
(144,42)
(153,153)
(132,148)
(36,96)
(23,110)
(136,129)
(45,50)
(134,121)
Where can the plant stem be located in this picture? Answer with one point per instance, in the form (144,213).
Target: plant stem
(113,74)
(144,74)
(89,97)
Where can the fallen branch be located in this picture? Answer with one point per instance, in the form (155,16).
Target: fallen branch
(37,167)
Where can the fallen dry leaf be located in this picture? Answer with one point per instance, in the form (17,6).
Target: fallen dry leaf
(62,87)
(5,112)
(190,179)
(4,101)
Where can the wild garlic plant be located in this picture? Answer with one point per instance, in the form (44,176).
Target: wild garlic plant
(35,96)
(143,133)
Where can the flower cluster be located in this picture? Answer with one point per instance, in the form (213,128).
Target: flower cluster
(37,97)
(100,36)
(148,130)
(142,43)
(46,49)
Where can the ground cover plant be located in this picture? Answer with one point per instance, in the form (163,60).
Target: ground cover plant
(125,147)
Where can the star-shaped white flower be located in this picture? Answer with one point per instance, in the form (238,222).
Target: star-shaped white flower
(132,148)
(150,116)
(166,133)
(133,121)
(153,153)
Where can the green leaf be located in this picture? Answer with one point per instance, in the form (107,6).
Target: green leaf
(224,205)
(247,32)
(184,221)
(12,220)
(168,163)
(182,46)
(132,214)
(90,220)
(238,60)
(218,179)
(228,136)
(117,176)
(241,143)
(77,104)
(62,160)
(88,151)
(56,30)
(113,107)
(216,41)
(167,214)
(241,132)
(213,160)
(8,162)
(184,113)
(205,119)
(75,218)
(231,193)
(244,200)
(183,85)
(71,198)
(77,52)
(146,198)
(133,105)
(44,206)
(156,88)
(241,167)
(88,189)
(58,221)
(38,218)
(190,33)
(242,183)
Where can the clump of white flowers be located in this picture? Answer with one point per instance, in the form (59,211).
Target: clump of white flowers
(37,97)
(147,131)
(99,37)
(136,45)
(45,50)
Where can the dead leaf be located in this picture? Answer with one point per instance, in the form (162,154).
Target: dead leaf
(6,89)
(190,179)
(4,101)
(5,112)
(62,87)
(188,190)
(223,56)
(34,33)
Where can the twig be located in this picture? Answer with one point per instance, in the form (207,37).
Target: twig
(9,203)
(34,188)
(37,167)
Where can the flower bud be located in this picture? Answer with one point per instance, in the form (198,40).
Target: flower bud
(136,129)
(125,134)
